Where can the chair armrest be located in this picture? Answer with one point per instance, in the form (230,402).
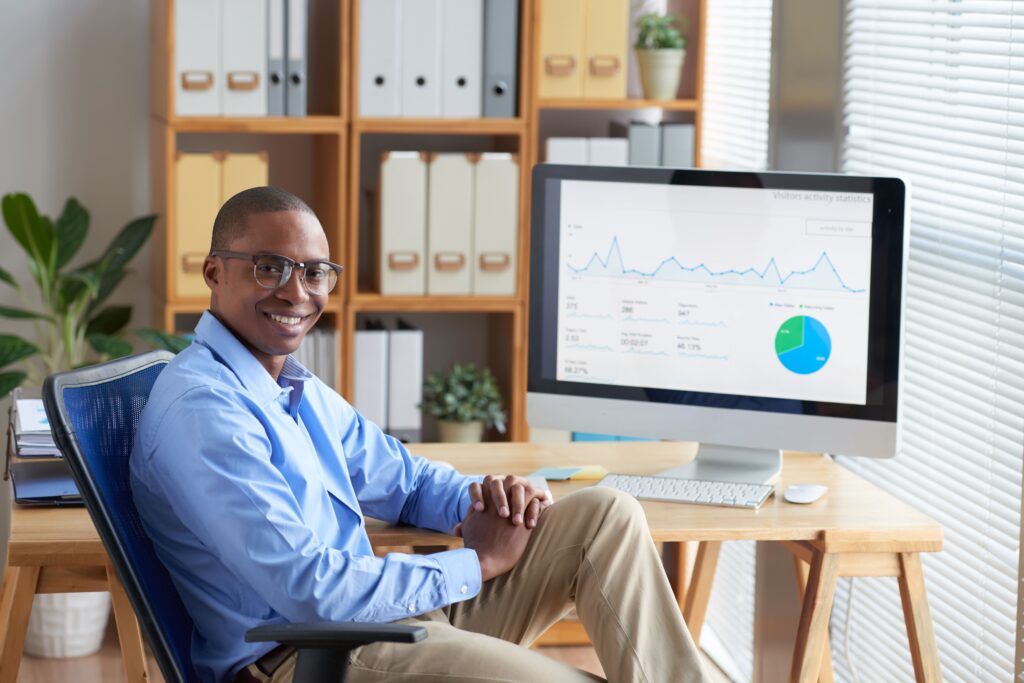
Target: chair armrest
(325,634)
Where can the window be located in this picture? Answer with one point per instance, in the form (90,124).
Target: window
(934,92)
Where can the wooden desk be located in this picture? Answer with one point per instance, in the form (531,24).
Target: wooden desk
(856,530)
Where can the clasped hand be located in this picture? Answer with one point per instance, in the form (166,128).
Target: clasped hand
(502,513)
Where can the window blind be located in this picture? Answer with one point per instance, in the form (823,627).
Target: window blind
(934,92)
(734,135)
(737,77)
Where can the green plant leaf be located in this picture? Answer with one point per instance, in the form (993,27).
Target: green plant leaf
(22,219)
(72,285)
(109,346)
(127,243)
(33,232)
(162,340)
(21,314)
(9,381)
(6,277)
(110,320)
(107,284)
(71,229)
(13,349)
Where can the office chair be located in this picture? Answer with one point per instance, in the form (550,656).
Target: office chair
(94,413)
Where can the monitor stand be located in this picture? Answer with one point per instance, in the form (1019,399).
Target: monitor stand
(715,462)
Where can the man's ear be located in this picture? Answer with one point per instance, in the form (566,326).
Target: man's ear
(213,272)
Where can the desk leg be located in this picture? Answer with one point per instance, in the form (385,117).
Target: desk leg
(802,570)
(15,607)
(674,558)
(133,654)
(699,591)
(923,650)
(813,631)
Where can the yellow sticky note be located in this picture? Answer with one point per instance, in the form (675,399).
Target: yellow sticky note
(590,472)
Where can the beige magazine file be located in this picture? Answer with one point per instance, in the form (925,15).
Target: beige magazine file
(450,223)
(495,224)
(403,223)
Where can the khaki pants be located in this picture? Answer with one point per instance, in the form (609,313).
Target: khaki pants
(592,550)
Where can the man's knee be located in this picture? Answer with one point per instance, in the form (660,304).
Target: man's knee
(607,504)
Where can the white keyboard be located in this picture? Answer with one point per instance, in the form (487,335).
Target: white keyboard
(698,491)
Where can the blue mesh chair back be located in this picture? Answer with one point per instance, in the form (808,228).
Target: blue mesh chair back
(95,412)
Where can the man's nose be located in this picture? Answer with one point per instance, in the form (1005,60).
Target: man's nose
(293,290)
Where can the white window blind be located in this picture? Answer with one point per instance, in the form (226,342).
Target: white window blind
(734,135)
(737,78)
(934,92)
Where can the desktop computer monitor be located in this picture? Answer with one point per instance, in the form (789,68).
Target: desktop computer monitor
(751,312)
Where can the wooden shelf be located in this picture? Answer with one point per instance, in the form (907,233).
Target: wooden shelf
(440,126)
(262,124)
(667,105)
(200,304)
(433,304)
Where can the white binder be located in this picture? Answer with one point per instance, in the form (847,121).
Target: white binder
(677,144)
(405,383)
(197,83)
(276,24)
(462,58)
(403,223)
(295,88)
(608,152)
(567,150)
(421,58)
(495,224)
(244,58)
(370,386)
(380,57)
(450,224)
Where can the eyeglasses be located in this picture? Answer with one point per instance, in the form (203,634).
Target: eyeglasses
(273,271)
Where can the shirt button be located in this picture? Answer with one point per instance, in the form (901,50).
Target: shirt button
(464,589)
(412,606)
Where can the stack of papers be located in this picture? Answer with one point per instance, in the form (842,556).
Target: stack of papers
(31,429)
(39,475)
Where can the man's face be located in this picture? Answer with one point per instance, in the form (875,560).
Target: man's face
(269,322)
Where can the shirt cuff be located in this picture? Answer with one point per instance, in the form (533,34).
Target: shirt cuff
(461,571)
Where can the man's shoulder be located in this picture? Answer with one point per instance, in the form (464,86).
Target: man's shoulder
(194,380)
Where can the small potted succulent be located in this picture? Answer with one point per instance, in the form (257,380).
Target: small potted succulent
(660,50)
(465,400)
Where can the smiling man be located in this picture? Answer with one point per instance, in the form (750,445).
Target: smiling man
(252,478)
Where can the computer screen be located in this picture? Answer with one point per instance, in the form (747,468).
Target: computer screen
(760,310)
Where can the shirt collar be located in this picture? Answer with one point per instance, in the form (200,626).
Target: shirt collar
(212,333)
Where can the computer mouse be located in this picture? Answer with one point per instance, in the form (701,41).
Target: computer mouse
(804,493)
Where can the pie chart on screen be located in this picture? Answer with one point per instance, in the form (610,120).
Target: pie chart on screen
(803,345)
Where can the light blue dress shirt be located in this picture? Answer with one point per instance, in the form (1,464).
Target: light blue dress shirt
(254,492)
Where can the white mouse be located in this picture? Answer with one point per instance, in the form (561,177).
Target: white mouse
(804,493)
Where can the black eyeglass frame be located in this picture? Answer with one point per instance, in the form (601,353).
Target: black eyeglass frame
(290,266)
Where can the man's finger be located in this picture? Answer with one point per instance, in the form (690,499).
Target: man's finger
(497,492)
(476,496)
(518,496)
(533,511)
(457,531)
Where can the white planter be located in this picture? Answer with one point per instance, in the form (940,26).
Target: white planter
(660,71)
(460,432)
(67,624)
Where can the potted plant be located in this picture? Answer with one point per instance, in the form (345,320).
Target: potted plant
(72,328)
(465,400)
(72,325)
(660,50)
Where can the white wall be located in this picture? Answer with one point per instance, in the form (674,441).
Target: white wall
(74,105)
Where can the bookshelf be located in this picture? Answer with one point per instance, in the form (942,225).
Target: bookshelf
(331,159)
